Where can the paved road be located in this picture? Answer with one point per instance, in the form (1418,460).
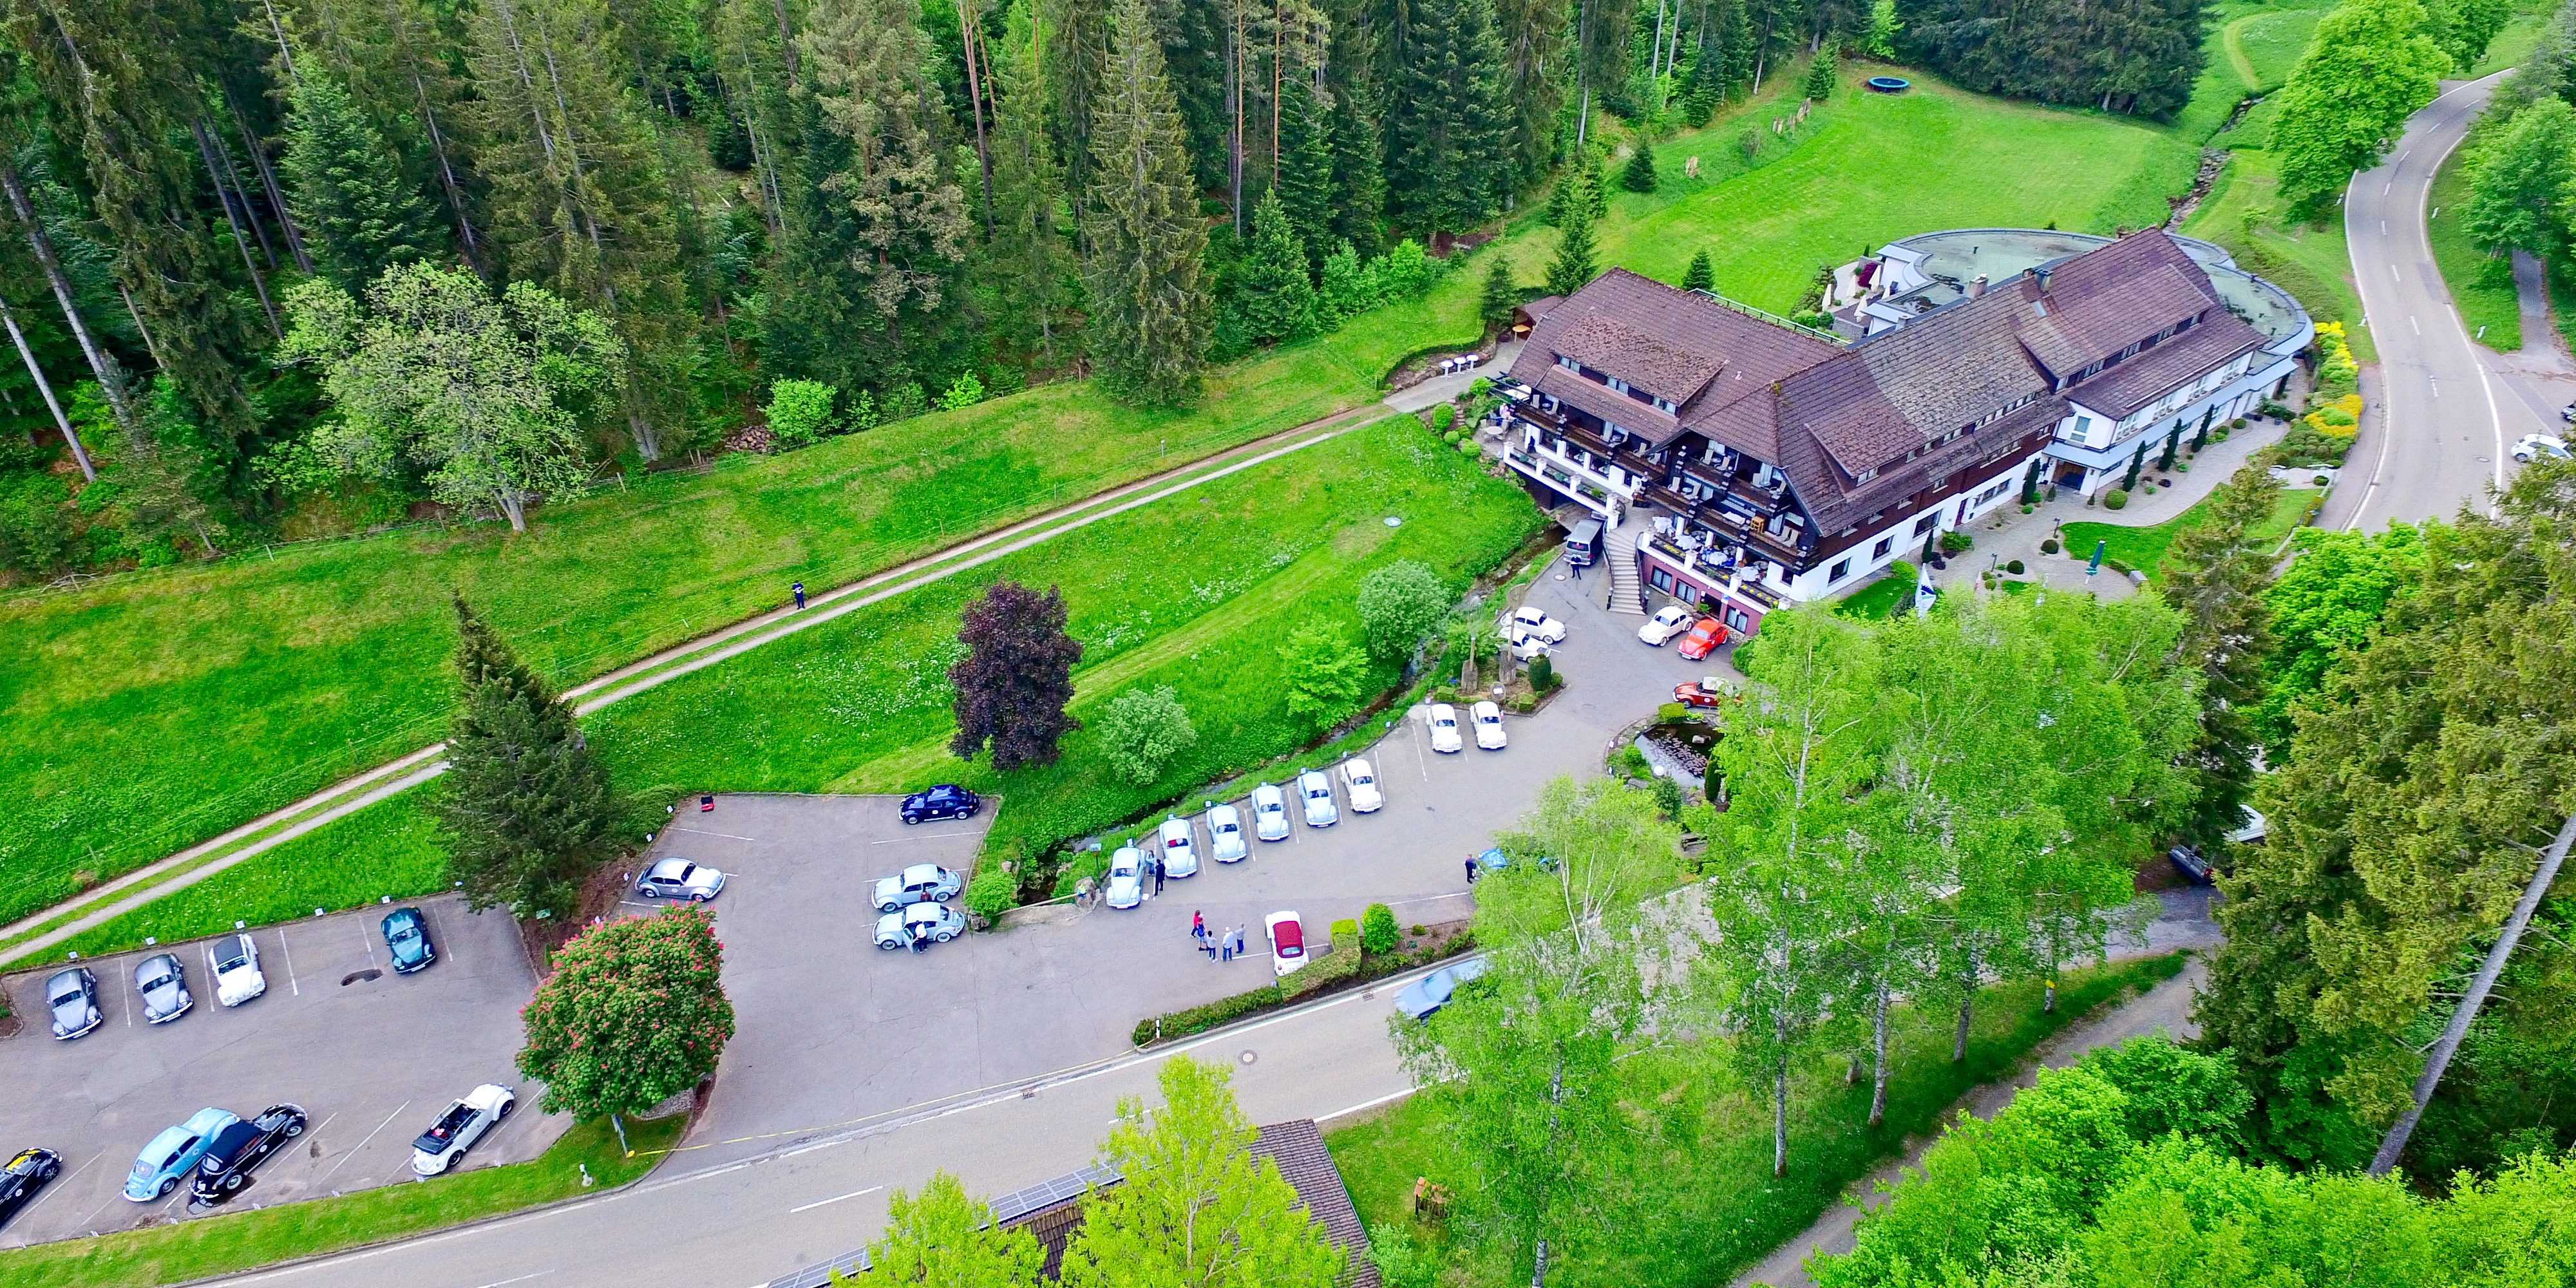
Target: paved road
(715,1218)
(2446,416)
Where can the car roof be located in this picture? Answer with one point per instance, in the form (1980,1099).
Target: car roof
(925,912)
(208,1119)
(160,1146)
(921,872)
(670,867)
(1127,856)
(232,1137)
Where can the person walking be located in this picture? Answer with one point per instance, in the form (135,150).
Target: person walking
(800,596)
(1198,926)
(1471,872)
(1158,876)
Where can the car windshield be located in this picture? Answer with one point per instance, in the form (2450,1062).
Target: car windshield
(157,982)
(405,931)
(235,962)
(68,996)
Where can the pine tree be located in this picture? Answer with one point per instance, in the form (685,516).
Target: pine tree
(1273,298)
(1639,176)
(1305,184)
(1027,264)
(866,61)
(1573,264)
(362,215)
(1359,180)
(1533,34)
(1447,124)
(1150,312)
(579,200)
(1700,276)
(1819,84)
(528,807)
(2216,572)
(1502,295)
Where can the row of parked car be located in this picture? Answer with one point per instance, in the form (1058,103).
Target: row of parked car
(1174,845)
(161,980)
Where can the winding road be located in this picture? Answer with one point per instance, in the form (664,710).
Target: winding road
(2446,411)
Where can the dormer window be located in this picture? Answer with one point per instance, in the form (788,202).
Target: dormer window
(2130,352)
(1617,385)
(1569,364)
(1664,405)
(1865,476)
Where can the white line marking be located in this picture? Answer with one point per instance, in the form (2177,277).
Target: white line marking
(2392,272)
(283,947)
(362,1144)
(1366,1104)
(2494,419)
(919,836)
(520,1279)
(700,831)
(2410,321)
(1430,898)
(366,943)
(58,1183)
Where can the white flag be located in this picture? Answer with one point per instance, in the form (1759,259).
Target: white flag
(1924,594)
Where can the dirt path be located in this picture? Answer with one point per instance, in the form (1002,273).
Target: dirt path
(2166,1009)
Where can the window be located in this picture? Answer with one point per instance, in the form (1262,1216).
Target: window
(1664,405)
(1737,621)
(1838,572)
(1865,476)
(1884,545)
(1616,384)
(1925,523)
(2128,353)
(1569,364)
(1659,579)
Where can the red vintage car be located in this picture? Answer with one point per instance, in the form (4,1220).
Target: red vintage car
(1708,692)
(1705,634)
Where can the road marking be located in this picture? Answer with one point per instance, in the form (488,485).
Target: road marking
(362,1144)
(366,942)
(58,1183)
(2496,420)
(283,947)
(2436,386)
(124,1004)
(2383,227)
(1431,898)
(2392,272)
(2410,321)
(891,840)
(834,1199)
(700,831)
(2383,188)
(519,1279)
(1365,1104)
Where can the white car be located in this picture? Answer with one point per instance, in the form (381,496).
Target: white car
(466,1121)
(1225,834)
(1126,879)
(1668,621)
(1444,727)
(1316,791)
(1270,812)
(1489,727)
(919,923)
(1526,645)
(2533,445)
(237,977)
(1287,942)
(1180,856)
(1361,782)
(1546,628)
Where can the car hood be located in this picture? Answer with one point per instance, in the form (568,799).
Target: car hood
(241,983)
(73,1014)
(410,950)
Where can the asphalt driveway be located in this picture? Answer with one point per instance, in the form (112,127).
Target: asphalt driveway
(372,1057)
(831,1031)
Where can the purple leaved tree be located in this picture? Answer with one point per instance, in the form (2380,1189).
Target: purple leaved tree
(1016,676)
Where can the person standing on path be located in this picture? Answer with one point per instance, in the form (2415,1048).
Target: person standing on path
(800,596)
(1225,946)
(1198,926)
(1158,876)
(1471,872)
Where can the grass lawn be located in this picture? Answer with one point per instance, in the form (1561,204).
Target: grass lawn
(1712,1207)
(2312,263)
(2144,548)
(151,711)
(221,1245)
(2488,308)
(861,704)
(2264,45)
(1878,599)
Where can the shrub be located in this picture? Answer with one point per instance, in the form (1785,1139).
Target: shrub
(2049,546)
(2115,500)
(1542,674)
(1443,416)
(2014,567)
(1398,604)
(2321,480)
(967,392)
(800,411)
(1956,542)
(1378,929)
(1142,729)
(1199,1019)
(2238,423)
(1420,929)
(1467,446)
(1345,931)
(1630,762)
(1668,798)
(992,892)
(1406,271)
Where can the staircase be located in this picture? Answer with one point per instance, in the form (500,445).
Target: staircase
(1627,593)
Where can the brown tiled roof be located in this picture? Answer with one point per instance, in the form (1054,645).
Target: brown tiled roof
(2144,378)
(1298,1148)
(1605,343)
(1600,400)
(1682,345)
(2105,300)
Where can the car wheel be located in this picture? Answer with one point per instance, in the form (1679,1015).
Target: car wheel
(506,1107)
(910,820)
(167,1186)
(232,1182)
(888,947)
(970,811)
(452,1160)
(294,1128)
(649,892)
(943,936)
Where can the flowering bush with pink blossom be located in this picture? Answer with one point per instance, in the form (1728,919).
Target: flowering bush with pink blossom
(634,1013)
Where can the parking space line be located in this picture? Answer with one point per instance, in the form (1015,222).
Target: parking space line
(1432,898)
(917,836)
(834,1199)
(124,1003)
(59,1183)
(365,940)
(444,940)
(700,831)
(289,951)
(353,1152)
(519,1279)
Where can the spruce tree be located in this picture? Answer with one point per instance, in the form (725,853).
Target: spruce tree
(1359,181)
(2129,481)
(528,808)
(1149,309)
(1447,122)
(1273,299)
(360,215)
(1028,262)
(1573,265)
(867,61)
(1700,276)
(1347,289)
(1305,184)
(1639,176)
(1819,84)
(1533,34)
(1502,295)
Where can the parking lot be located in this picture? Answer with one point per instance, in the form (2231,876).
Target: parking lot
(372,1057)
(830,1029)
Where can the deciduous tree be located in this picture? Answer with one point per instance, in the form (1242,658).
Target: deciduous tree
(528,807)
(1326,674)
(944,1238)
(2519,187)
(1142,729)
(2348,98)
(634,1014)
(1398,604)
(1016,677)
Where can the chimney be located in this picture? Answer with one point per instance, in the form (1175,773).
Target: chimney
(1977,286)
(2041,273)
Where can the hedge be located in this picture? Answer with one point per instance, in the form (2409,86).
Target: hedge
(1199,1019)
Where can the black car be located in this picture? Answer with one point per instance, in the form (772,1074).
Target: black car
(26,1174)
(407,940)
(237,1149)
(2193,866)
(947,800)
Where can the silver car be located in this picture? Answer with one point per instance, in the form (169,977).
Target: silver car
(1180,854)
(72,995)
(1125,886)
(920,883)
(919,923)
(163,984)
(1225,834)
(677,878)
(1270,812)
(1316,791)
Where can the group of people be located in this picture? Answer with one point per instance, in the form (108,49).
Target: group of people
(1222,946)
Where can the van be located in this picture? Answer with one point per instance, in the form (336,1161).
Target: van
(1583,543)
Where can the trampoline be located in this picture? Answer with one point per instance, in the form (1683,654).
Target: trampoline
(1889,84)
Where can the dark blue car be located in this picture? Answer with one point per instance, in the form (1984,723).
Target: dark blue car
(407,940)
(947,800)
